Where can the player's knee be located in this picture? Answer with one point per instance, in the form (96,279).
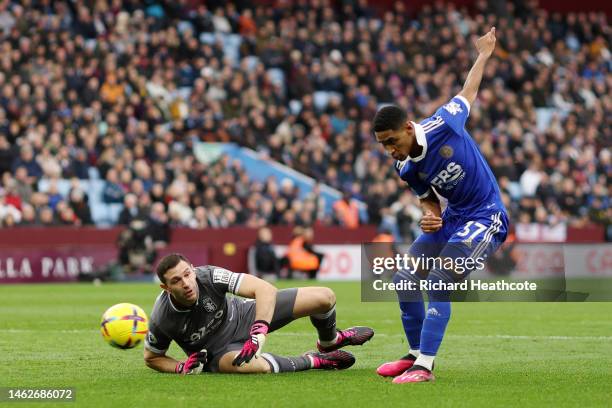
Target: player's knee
(266,368)
(327,299)
(438,281)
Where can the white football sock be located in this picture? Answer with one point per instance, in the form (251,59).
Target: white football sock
(414,353)
(330,342)
(425,361)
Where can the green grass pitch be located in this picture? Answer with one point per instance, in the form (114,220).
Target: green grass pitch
(494,354)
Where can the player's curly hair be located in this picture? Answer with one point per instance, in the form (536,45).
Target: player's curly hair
(168,262)
(389,117)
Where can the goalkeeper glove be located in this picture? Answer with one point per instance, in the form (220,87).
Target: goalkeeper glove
(253,346)
(193,365)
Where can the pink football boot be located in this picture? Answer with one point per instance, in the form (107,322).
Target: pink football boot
(415,375)
(397,367)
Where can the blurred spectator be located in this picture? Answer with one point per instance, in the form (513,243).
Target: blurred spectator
(159,227)
(9,215)
(79,206)
(136,249)
(66,215)
(113,192)
(301,255)
(346,212)
(46,217)
(11,197)
(6,155)
(26,159)
(28,215)
(265,260)
(23,187)
(53,196)
(130,209)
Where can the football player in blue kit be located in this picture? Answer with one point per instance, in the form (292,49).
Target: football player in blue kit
(439,157)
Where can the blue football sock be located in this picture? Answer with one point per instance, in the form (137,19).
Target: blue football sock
(413,309)
(413,314)
(437,317)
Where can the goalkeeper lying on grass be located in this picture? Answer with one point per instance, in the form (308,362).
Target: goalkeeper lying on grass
(226,334)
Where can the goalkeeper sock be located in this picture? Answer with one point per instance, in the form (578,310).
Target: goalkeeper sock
(325,323)
(280,364)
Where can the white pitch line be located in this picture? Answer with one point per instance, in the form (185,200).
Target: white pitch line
(286,334)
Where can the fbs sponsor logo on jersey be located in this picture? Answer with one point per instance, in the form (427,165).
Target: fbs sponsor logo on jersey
(209,305)
(448,178)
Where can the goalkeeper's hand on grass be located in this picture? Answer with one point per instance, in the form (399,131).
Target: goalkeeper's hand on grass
(193,365)
(253,346)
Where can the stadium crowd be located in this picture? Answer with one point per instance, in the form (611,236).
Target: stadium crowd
(126,88)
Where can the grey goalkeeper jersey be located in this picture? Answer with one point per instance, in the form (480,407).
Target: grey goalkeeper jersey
(210,324)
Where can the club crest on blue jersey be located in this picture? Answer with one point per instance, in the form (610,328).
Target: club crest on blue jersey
(446,151)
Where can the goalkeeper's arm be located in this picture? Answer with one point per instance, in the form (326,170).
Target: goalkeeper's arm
(159,362)
(265,296)
(264,293)
(162,363)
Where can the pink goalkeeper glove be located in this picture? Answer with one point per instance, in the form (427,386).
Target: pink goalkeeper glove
(193,365)
(253,346)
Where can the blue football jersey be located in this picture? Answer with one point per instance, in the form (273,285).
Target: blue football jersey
(451,163)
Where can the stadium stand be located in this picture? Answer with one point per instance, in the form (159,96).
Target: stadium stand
(98,104)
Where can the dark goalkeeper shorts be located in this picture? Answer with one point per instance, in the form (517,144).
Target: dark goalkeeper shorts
(283,315)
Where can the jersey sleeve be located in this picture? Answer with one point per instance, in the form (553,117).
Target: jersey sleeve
(224,281)
(156,340)
(455,113)
(408,174)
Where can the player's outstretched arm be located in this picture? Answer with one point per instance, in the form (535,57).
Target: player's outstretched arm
(485,46)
